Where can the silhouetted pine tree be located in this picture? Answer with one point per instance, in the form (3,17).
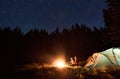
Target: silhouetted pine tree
(112,20)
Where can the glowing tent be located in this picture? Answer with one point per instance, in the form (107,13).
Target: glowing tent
(107,58)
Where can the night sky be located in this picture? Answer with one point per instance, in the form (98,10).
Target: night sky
(49,14)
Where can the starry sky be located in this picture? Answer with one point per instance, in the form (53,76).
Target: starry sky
(49,14)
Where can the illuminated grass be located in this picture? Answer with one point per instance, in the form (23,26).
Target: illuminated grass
(50,72)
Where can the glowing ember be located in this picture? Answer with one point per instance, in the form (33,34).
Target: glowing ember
(60,63)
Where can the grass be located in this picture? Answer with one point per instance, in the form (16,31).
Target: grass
(48,72)
(37,71)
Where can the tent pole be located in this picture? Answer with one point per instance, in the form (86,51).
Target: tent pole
(115,57)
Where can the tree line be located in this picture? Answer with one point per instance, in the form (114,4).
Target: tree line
(36,45)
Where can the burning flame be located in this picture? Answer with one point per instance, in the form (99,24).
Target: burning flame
(59,63)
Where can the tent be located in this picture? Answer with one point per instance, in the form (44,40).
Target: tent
(107,58)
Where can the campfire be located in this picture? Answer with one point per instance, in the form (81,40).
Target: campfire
(60,63)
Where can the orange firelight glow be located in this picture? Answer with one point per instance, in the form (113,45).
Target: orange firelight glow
(59,63)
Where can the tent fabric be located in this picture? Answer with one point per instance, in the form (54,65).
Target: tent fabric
(107,58)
